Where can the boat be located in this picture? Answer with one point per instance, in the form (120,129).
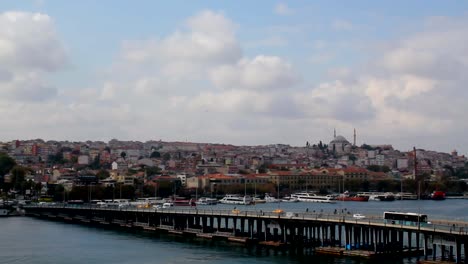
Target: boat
(207,201)
(312,197)
(270,199)
(257,200)
(289,199)
(5,210)
(183,202)
(349,198)
(378,196)
(236,199)
(438,195)
(406,196)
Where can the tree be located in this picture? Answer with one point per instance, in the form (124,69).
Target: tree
(123,154)
(155,155)
(166,156)
(6,164)
(152,171)
(103,174)
(18,174)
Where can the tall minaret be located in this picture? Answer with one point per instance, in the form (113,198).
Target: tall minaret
(334,133)
(354,142)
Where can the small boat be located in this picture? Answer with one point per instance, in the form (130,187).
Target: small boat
(5,210)
(313,198)
(406,196)
(438,195)
(207,201)
(236,199)
(257,200)
(289,199)
(270,199)
(183,202)
(349,198)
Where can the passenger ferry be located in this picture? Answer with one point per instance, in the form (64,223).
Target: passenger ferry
(313,198)
(207,201)
(236,199)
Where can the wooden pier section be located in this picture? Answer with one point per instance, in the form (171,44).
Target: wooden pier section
(333,234)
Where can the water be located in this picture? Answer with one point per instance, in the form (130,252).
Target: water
(30,240)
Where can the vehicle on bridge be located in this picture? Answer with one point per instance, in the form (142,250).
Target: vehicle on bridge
(410,219)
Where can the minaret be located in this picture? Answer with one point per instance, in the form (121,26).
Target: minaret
(354,142)
(334,133)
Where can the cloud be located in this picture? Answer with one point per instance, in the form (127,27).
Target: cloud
(28,41)
(342,25)
(283,10)
(29,49)
(259,73)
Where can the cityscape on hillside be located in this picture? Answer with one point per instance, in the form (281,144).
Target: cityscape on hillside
(152,168)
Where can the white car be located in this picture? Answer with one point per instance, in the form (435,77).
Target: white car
(358,216)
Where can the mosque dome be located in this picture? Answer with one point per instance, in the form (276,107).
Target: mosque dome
(339,139)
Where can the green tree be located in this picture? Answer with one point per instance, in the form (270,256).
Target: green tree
(18,174)
(152,171)
(123,154)
(6,164)
(103,174)
(166,156)
(155,154)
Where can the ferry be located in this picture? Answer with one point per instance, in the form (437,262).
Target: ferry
(236,199)
(207,201)
(312,197)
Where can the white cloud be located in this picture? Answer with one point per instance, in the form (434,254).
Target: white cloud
(342,25)
(29,48)
(282,9)
(259,73)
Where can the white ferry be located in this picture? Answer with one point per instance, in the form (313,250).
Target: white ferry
(206,201)
(312,197)
(236,199)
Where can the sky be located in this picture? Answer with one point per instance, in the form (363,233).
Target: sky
(236,72)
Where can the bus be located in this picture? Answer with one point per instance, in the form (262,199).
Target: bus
(410,219)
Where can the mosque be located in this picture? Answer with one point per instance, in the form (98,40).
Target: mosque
(340,145)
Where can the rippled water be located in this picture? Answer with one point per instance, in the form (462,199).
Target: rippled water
(29,240)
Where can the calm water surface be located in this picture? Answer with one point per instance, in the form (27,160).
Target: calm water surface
(29,240)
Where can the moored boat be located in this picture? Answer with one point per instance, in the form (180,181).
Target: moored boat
(438,195)
(236,199)
(207,201)
(351,198)
(313,198)
(289,199)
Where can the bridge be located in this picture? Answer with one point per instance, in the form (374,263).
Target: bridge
(330,233)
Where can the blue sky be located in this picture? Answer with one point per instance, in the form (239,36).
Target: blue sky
(121,69)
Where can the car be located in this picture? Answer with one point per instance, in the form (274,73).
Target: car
(359,216)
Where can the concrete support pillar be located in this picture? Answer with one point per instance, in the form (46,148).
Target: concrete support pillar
(340,230)
(410,236)
(443,252)
(434,251)
(426,253)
